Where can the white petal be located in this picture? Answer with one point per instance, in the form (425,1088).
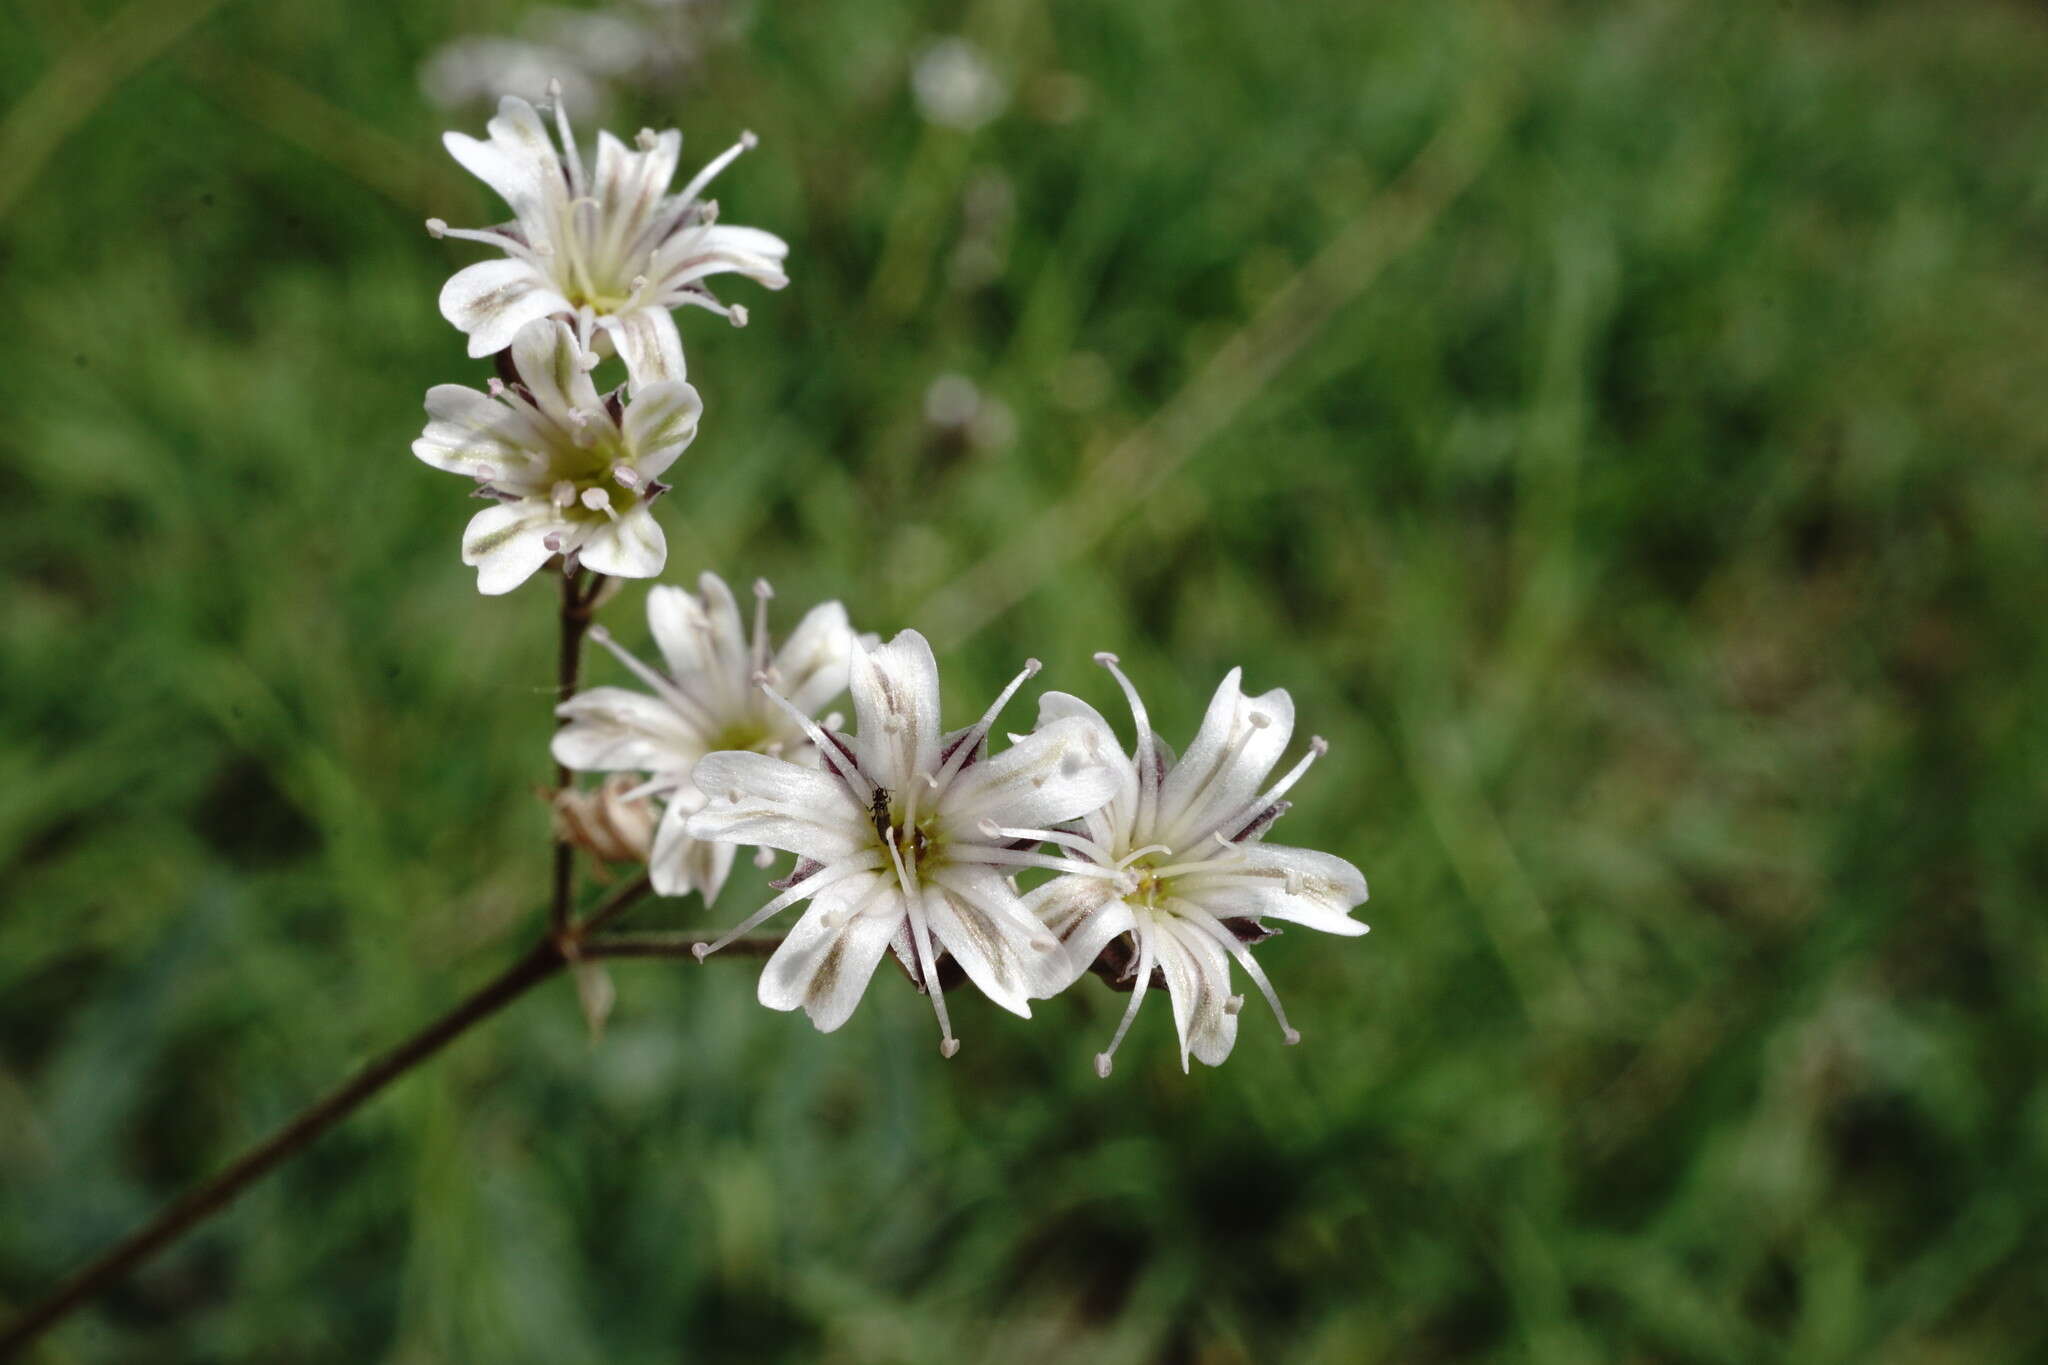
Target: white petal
(668,862)
(475,435)
(1085,912)
(1054,774)
(660,421)
(1225,767)
(550,364)
(679,864)
(629,185)
(746,241)
(697,253)
(1314,890)
(1197,975)
(896,709)
(755,799)
(505,544)
(631,547)
(831,954)
(813,663)
(1000,944)
(703,641)
(492,300)
(647,340)
(511,166)
(1123,803)
(612,729)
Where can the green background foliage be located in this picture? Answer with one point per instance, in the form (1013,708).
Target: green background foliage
(1621,428)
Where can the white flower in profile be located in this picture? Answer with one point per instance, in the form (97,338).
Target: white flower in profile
(571,473)
(1189,835)
(708,699)
(609,245)
(906,839)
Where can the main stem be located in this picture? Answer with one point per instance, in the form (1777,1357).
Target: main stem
(577,600)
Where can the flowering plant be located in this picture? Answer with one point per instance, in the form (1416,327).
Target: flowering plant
(1018,867)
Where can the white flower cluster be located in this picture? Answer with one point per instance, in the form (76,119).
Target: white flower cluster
(1019,870)
(595,260)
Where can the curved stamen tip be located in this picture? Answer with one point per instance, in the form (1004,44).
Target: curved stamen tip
(749,141)
(554,87)
(700,951)
(1106,659)
(645,137)
(437,227)
(760,679)
(1291,1037)
(737,314)
(1031,667)
(1102,1065)
(1258,720)
(1319,745)
(762,589)
(1232,1004)
(948,1046)
(989,828)
(599,633)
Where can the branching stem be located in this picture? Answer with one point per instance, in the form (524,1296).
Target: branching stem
(543,960)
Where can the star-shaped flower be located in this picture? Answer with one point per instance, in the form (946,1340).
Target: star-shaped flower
(907,838)
(709,699)
(572,473)
(1188,834)
(609,246)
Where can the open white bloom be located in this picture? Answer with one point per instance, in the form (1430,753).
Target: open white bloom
(708,699)
(907,839)
(609,246)
(571,473)
(1189,835)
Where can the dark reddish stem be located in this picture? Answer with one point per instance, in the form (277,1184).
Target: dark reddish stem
(579,595)
(539,963)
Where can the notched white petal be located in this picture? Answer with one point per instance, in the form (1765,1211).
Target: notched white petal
(896,709)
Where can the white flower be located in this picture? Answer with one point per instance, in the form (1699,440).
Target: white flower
(572,473)
(907,839)
(609,246)
(1188,834)
(708,700)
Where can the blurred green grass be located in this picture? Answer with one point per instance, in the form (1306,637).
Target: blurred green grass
(1647,503)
